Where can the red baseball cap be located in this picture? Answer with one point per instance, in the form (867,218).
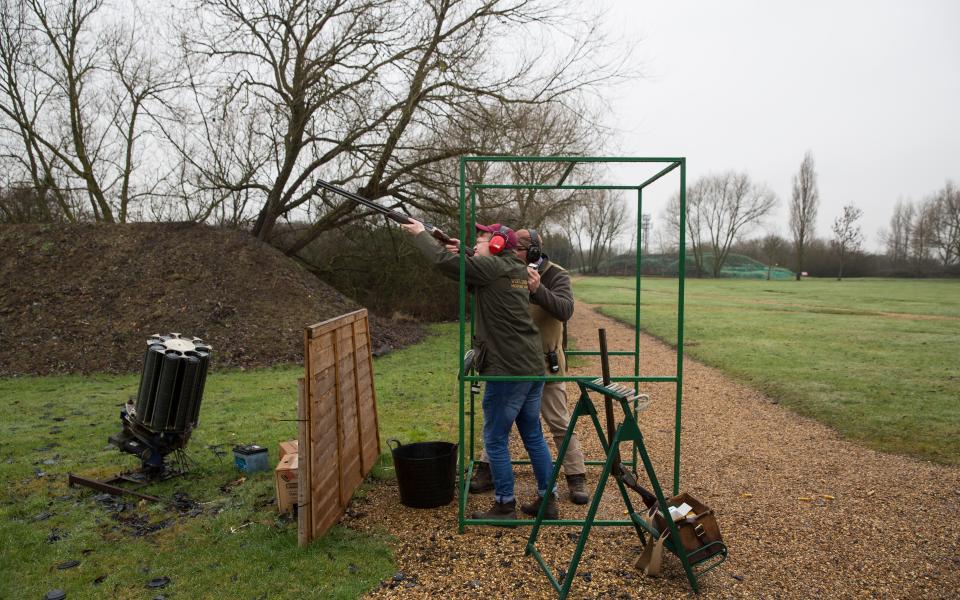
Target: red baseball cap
(508,233)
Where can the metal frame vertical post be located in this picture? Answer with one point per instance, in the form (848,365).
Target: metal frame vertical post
(462,465)
(681,276)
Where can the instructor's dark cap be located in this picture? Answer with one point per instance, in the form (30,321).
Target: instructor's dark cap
(503,230)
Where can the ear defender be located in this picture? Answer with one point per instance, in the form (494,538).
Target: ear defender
(533,250)
(498,241)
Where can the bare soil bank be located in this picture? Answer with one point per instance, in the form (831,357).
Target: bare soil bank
(84,298)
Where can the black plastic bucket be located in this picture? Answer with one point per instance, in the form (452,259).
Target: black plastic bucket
(426,472)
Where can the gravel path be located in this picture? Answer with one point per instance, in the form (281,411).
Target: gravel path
(804,513)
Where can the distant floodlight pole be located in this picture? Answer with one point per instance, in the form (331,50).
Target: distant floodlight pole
(646,232)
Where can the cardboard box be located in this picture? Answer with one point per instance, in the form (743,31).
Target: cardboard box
(290,447)
(285,478)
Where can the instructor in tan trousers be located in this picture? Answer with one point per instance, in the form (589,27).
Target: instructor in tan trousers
(551,304)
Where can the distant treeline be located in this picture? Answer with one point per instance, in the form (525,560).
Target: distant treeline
(749,260)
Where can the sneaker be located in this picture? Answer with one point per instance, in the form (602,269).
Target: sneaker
(482,480)
(577,486)
(552,512)
(499,510)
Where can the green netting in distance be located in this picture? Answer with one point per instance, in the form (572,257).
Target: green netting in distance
(737,266)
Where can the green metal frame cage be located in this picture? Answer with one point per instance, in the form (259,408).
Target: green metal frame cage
(467,233)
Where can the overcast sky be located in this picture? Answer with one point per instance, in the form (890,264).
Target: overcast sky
(871,88)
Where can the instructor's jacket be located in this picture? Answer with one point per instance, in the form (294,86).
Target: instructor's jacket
(552,305)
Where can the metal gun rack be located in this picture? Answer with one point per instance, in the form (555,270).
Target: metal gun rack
(627,431)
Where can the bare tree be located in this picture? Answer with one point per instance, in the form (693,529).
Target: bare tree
(75,94)
(719,209)
(803,208)
(847,237)
(921,233)
(354,91)
(696,229)
(897,239)
(945,230)
(550,129)
(595,227)
(771,245)
(607,219)
(25,95)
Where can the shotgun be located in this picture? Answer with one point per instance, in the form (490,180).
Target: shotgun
(391,214)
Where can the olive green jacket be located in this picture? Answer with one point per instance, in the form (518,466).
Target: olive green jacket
(505,334)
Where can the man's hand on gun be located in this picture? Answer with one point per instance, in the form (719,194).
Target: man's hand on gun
(414,227)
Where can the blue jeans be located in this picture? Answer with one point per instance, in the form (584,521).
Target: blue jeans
(506,403)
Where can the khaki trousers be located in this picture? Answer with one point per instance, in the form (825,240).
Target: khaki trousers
(556,414)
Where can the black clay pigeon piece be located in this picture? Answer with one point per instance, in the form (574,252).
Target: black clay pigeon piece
(158,582)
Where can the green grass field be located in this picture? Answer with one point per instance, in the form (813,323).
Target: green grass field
(877,359)
(239,547)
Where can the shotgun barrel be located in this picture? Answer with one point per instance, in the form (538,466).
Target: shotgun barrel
(390,214)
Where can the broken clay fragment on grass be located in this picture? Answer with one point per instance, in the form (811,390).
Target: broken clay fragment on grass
(67,565)
(158,582)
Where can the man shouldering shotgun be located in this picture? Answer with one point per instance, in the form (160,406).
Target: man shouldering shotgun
(507,343)
(551,306)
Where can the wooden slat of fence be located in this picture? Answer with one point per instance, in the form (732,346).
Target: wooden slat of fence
(325,480)
(342,433)
(357,392)
(351,470)
(304,514)
(367,404)
(336,322)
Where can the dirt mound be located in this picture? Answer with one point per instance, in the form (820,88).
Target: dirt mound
(84,298)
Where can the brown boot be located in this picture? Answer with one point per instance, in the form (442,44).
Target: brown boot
(499,510)
(552,512)
(577,486)
(482,480)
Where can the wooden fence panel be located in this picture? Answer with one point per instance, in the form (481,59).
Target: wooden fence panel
(340,441)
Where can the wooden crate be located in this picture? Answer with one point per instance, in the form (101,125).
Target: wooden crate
(339,437)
